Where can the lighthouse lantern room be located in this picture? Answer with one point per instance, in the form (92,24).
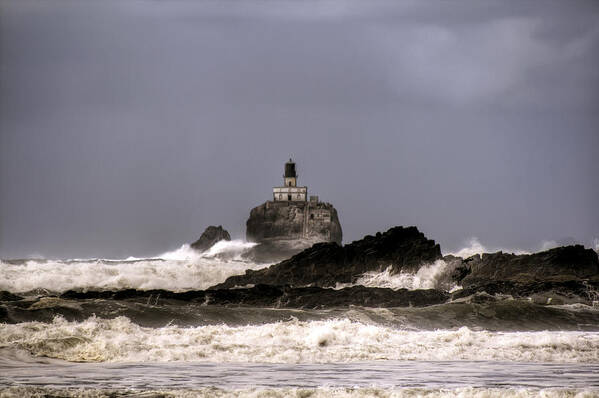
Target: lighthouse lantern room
(290,192)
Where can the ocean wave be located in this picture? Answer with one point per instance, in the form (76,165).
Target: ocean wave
(474,246)
(428,276)
(179,270)
(293,341)
(322,392)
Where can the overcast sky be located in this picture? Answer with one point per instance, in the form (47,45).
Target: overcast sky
(127,127)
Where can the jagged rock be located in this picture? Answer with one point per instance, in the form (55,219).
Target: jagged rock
(8,296)
(209,237)
(542,292)
(326,264)
(562,264)
(315,297)
(457,267)
(278,296)
(284,228)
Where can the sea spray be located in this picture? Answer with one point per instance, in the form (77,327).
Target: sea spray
(474,246)
(178,270)
(428,276)
(293,341)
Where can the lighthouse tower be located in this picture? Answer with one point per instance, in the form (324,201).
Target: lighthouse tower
(290,192)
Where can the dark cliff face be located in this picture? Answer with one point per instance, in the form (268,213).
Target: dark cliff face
(209,237)
(569,263)
(283,229)
(326,264)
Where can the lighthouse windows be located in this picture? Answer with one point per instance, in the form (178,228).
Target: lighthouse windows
(289,191)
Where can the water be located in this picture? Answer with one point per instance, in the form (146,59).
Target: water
(387,374)
(179,270)
(292,341)
(51,346)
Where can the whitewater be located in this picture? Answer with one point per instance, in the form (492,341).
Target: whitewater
(179,270)
(293,341)
(102,347)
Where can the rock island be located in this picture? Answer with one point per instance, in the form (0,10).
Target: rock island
(291,222)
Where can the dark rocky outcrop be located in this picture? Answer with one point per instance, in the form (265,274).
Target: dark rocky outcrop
(542,292)
(561,275)
(326,264)
(158,309)
(278,296)
(283,229)
(562,264)
(7,296)
(209,237)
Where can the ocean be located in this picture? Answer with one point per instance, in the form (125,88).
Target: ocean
(157,347)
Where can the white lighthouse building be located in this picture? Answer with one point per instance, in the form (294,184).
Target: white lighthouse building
(290,192)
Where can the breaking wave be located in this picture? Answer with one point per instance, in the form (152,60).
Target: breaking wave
(293,341)
(178,270)
(474,246)
(429,276)
(232,249)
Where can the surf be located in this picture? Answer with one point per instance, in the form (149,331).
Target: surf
(292,341)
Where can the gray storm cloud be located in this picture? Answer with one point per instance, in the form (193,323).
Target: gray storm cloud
(491,62)
(127,127)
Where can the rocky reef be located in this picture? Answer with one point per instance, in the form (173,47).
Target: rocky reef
(209,237)
(308,235)
(279,296)
(562,264)
(497,289)
(285,228)
(423,309)
(327,264)
(562,275)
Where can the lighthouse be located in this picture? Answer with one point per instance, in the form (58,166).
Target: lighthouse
(291,221)
(290,192)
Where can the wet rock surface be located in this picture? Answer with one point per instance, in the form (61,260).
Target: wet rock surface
(424,309)
(567,292)
(277,296)
(327,264)
(561,275)
(562,264)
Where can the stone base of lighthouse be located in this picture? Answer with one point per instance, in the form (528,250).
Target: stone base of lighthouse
(283,228)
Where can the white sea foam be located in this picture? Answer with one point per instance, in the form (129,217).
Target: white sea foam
(120,340)
(229,249)
(429,276)
(178,270)
(475,247)
(322,392)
